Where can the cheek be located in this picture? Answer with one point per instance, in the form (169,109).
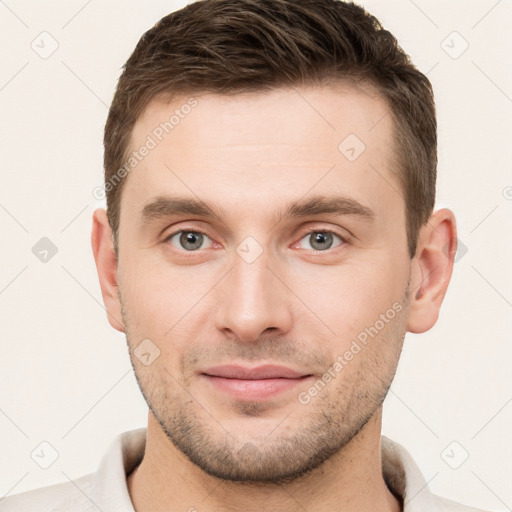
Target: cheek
(148,298)
(351,297)
(164,303)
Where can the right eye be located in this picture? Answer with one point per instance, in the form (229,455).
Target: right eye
(187,240)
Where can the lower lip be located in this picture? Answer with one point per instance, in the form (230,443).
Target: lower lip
(257,389)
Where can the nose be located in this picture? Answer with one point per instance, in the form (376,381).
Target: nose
(252,299)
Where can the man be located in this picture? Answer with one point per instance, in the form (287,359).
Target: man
(270,171)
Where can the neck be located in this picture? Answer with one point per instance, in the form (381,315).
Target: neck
(350,480)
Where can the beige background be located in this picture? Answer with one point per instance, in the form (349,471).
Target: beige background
(65,376)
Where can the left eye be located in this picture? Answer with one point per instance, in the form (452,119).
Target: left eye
(189,240)
(320,240)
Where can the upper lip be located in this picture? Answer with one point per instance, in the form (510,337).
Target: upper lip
(267,371)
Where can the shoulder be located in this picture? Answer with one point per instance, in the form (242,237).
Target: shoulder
(405,479)
(447,505)
(69,496)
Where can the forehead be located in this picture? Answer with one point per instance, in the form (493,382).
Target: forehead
(262,146)
(300,115)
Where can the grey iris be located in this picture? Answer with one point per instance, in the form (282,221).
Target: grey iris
(191,240)
(321,238)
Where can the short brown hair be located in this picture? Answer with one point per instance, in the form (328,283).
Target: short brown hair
(236,46)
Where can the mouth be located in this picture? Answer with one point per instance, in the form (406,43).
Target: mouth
(255,384)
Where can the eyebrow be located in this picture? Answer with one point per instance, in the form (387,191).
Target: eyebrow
(167,206)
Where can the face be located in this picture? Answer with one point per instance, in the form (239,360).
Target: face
(264,229)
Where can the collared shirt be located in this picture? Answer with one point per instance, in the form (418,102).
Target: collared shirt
(107,489)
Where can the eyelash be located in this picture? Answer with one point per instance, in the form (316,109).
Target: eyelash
(344,239)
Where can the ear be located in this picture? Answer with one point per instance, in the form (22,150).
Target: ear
(106,265)
(431,270)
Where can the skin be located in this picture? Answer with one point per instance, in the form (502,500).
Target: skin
(249,156)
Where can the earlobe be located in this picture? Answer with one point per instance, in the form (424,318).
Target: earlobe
(106,265)
(431,270)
